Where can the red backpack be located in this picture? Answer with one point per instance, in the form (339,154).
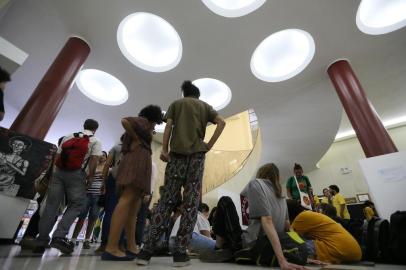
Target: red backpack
(73,152)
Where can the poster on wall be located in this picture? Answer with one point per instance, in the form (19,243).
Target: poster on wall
(22,160)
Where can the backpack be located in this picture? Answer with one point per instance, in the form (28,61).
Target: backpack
(377,240)
(398,237)
(262,254)
(73,152)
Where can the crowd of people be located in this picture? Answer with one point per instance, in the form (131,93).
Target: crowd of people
(179,223)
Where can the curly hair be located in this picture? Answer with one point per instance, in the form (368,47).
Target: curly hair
(190,90)
(152,113)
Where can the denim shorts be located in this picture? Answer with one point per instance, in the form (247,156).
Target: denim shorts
(92,208)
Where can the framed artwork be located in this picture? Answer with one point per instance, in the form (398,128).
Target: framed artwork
(22,160)
(362,197)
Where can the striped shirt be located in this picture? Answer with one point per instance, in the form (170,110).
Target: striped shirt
(97,183)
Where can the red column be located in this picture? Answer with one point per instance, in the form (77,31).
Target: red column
(40,111)
(370,131)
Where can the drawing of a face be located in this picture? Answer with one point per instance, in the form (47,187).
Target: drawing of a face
(18,146)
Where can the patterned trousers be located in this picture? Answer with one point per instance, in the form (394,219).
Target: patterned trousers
(186,171)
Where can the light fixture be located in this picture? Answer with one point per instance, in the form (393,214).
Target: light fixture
(388,124)
(214,92)
(233,8)
(101,87)
(149,42)
(376,17)
(160,128)
(282,55)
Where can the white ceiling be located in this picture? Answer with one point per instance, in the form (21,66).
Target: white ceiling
(299,117)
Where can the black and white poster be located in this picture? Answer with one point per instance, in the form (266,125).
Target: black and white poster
(22,160)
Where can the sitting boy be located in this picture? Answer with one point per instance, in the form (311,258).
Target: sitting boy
(327,240)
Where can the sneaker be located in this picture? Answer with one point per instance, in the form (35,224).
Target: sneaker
(62,244)
(86,245)
(144,257)
(180,259)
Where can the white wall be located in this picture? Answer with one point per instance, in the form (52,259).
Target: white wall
(240,180)
(346,154)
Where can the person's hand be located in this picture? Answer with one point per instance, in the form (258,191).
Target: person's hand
(146,198)
(208,147)
(316,262)
(103,189)
(285,265)
(164,156)
(89,180)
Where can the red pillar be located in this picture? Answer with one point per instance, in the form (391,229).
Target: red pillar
(370,131)
(40,111)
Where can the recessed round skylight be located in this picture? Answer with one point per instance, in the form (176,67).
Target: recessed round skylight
(214,92)
(282,55)
(149,42)
(233,8)
(377,17)
(160,128)
(101,87)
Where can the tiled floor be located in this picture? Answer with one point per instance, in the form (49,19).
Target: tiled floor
(12,257)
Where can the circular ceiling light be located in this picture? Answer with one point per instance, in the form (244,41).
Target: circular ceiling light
(376,17)
(149,42)
(101,87)
(282,55)
(214,92)
(233,8)
(160,128)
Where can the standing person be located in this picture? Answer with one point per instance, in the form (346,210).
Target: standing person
(339,202)
(142,214)
(109,189)
(134,180)
(186,121)
(4,78)
(92,208)
(303,181)
(76,163)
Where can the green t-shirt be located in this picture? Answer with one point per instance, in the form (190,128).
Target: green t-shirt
(304,185)
(190,117)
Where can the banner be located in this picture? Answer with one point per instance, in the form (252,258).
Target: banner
(22,160)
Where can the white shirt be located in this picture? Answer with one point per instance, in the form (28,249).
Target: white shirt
(202,224)
(94,147)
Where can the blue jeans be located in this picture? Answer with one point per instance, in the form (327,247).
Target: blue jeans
(73,184)
(110,204)
(198,243)
(92,207)
(141,218)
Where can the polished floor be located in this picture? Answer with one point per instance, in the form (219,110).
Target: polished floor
(12,257)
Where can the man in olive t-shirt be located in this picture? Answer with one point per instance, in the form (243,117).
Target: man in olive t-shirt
(4,78)
(186,121)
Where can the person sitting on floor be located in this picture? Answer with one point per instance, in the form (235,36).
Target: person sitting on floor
(201,239)
(327,240)
(268,216)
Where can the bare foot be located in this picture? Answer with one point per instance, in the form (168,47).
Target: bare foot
(135,250)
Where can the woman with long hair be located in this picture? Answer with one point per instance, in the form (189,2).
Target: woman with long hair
(133,179)
(268,214)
